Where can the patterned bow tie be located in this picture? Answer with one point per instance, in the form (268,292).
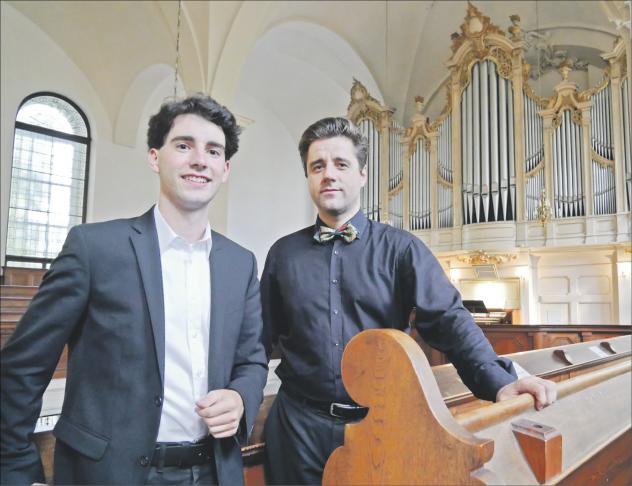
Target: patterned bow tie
(347,232)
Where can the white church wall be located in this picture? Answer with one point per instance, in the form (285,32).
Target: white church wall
(267,192)
(297,73)
(577,287)
(32,62)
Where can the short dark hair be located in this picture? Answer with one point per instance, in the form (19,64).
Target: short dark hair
(334,127)
(198,104)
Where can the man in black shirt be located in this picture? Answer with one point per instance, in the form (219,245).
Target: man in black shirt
(325,283)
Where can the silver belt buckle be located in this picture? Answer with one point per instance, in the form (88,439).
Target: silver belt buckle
(331,410)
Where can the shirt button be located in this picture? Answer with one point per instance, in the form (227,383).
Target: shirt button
(335,252)
(336,344)
(336,311)
(334,281)
(157,400)
(143,461)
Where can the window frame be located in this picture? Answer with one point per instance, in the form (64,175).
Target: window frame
(44,261)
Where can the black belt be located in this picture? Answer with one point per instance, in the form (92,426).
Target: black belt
(344,411)
(183,454)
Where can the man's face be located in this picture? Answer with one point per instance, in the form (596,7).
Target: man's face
(334,176)
(191,164)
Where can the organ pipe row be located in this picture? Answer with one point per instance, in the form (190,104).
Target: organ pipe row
(498,150)
(487,141)
(444,164)
(567,172)
(627,155)
(534,156)
(396,173)
(370,194)
(420,187)
(603,148)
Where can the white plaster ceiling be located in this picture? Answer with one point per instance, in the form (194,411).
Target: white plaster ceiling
(403,45)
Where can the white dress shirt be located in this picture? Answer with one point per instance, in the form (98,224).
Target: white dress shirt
(186,284)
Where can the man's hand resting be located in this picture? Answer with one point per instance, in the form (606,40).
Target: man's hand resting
(544,391)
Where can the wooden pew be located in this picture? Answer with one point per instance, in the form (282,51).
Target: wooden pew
(507,339)
(558,364)
(410,435)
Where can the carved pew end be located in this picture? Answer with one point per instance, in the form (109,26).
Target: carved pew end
(541,446)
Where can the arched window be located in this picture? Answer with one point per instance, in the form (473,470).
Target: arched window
(48,178)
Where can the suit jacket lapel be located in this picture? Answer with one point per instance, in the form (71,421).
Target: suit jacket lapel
(220,272)
(145,242)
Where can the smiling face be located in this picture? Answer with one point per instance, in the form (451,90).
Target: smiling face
(334,179)
(191,164)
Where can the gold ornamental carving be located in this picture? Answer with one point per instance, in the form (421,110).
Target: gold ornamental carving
(533,172)
(566,99)
(447,109)
(363,105)
(586,95)
(542,101)
(481,257)
(442,182)
(475,27)
(602,161)
(503,61)
(576,115)
(515,30)
(543,212)
(420,128)
(496,54)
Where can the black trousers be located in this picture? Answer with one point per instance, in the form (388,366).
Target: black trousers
(299,440)
(204,475)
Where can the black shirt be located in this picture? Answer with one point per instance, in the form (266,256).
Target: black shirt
(316,297)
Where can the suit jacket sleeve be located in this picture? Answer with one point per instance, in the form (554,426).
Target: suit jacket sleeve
(30,356)
(446,325)
(250,368)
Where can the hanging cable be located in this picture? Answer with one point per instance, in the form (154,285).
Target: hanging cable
(177,63)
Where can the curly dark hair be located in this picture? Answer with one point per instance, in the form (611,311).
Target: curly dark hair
(198,104)
(334,127)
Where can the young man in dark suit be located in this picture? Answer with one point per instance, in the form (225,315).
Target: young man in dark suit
(162,318)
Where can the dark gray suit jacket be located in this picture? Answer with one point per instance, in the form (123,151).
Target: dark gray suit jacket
(103,296)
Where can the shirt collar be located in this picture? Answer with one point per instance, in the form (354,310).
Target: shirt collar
(167,237)
(359,221)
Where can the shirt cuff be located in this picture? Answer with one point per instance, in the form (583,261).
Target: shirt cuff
(491,377)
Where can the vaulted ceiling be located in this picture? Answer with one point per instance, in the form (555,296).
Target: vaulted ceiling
(403,45)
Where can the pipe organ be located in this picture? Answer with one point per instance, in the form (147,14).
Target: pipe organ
(487,146)
(499,152)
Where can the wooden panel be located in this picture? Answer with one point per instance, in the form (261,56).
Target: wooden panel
(611,466)
(506,339)
(507,343)
(17,291)
(23,276)
(552,339)
(45,442)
